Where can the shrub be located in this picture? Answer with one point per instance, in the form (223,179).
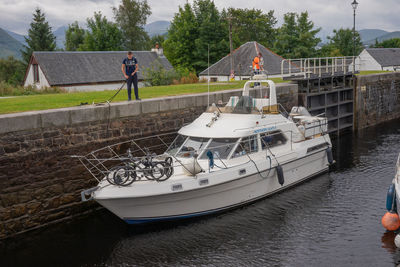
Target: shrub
(190,78)
(158,75)
(186,76)
(7,89)
(12,71)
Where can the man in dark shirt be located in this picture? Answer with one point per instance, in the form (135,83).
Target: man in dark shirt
(129,68)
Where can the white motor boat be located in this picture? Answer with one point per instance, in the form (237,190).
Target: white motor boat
(231,155)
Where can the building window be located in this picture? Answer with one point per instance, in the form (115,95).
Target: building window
(35,73)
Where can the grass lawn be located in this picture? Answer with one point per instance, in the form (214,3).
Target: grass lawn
(366,72)
(61,100)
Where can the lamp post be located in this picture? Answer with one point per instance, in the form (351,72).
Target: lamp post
(354,5)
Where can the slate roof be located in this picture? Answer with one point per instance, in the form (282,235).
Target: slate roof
(385,56)
(67,68)
(243,58)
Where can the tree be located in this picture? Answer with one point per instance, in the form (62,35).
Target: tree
(307,40)
(251,25)
(131,16)
(40,36)
(329,50)
(342,42)
(210,32)
(156,39)
(287,36)
(182,34)
(390,43)
(12,71)
(102,35)
(192,30)
(297,36)
(74,37)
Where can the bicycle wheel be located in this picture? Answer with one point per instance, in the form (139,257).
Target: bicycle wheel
(148,171)
(168,171)
(118,175)
(157,171)
(170,166)
(131,170)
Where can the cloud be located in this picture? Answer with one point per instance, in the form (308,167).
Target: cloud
(328,14)
(16,15)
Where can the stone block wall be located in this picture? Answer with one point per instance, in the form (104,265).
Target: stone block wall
(40,183)
(377,99)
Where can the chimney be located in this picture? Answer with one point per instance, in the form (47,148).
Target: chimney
(158,50)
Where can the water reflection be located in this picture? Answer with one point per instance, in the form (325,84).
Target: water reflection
(332,220)
(388,241)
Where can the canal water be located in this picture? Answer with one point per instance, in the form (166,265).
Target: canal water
(332,220)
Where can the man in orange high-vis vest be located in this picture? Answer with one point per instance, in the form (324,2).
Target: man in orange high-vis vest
(256,66)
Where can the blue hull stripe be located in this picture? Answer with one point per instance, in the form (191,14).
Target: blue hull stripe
(171,218)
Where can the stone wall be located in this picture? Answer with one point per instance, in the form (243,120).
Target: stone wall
(40,183)
(377,99)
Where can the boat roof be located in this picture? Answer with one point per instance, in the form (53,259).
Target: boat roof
(217,124)
(230,125)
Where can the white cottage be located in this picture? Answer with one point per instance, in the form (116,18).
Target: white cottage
(379,59)
(88,70)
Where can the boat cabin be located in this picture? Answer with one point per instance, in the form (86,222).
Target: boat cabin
(246,125)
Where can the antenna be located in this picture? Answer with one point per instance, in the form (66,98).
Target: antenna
(230,44)
(208,74)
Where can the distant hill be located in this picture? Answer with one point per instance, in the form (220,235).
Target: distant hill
(60,36)
(384,37)
(9,46)
(159,27)
(154,28)
(19,37)
(371,34)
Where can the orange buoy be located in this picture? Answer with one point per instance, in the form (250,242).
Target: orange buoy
(391,221)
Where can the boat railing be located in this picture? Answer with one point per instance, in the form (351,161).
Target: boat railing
(128,161)
(103,162)
(319,67)
(283,111)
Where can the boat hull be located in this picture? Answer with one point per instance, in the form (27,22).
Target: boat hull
(216,198)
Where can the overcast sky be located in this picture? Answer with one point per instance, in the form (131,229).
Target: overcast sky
(15,15)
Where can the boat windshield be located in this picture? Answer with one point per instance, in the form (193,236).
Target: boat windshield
(193,145)
(244,105)
(176,144)
(220,147)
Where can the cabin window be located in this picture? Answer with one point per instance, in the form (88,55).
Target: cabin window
(271,139)
(192,146)
(247,145)
(220,147)
(176,144)
(35,73)
(317,147)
